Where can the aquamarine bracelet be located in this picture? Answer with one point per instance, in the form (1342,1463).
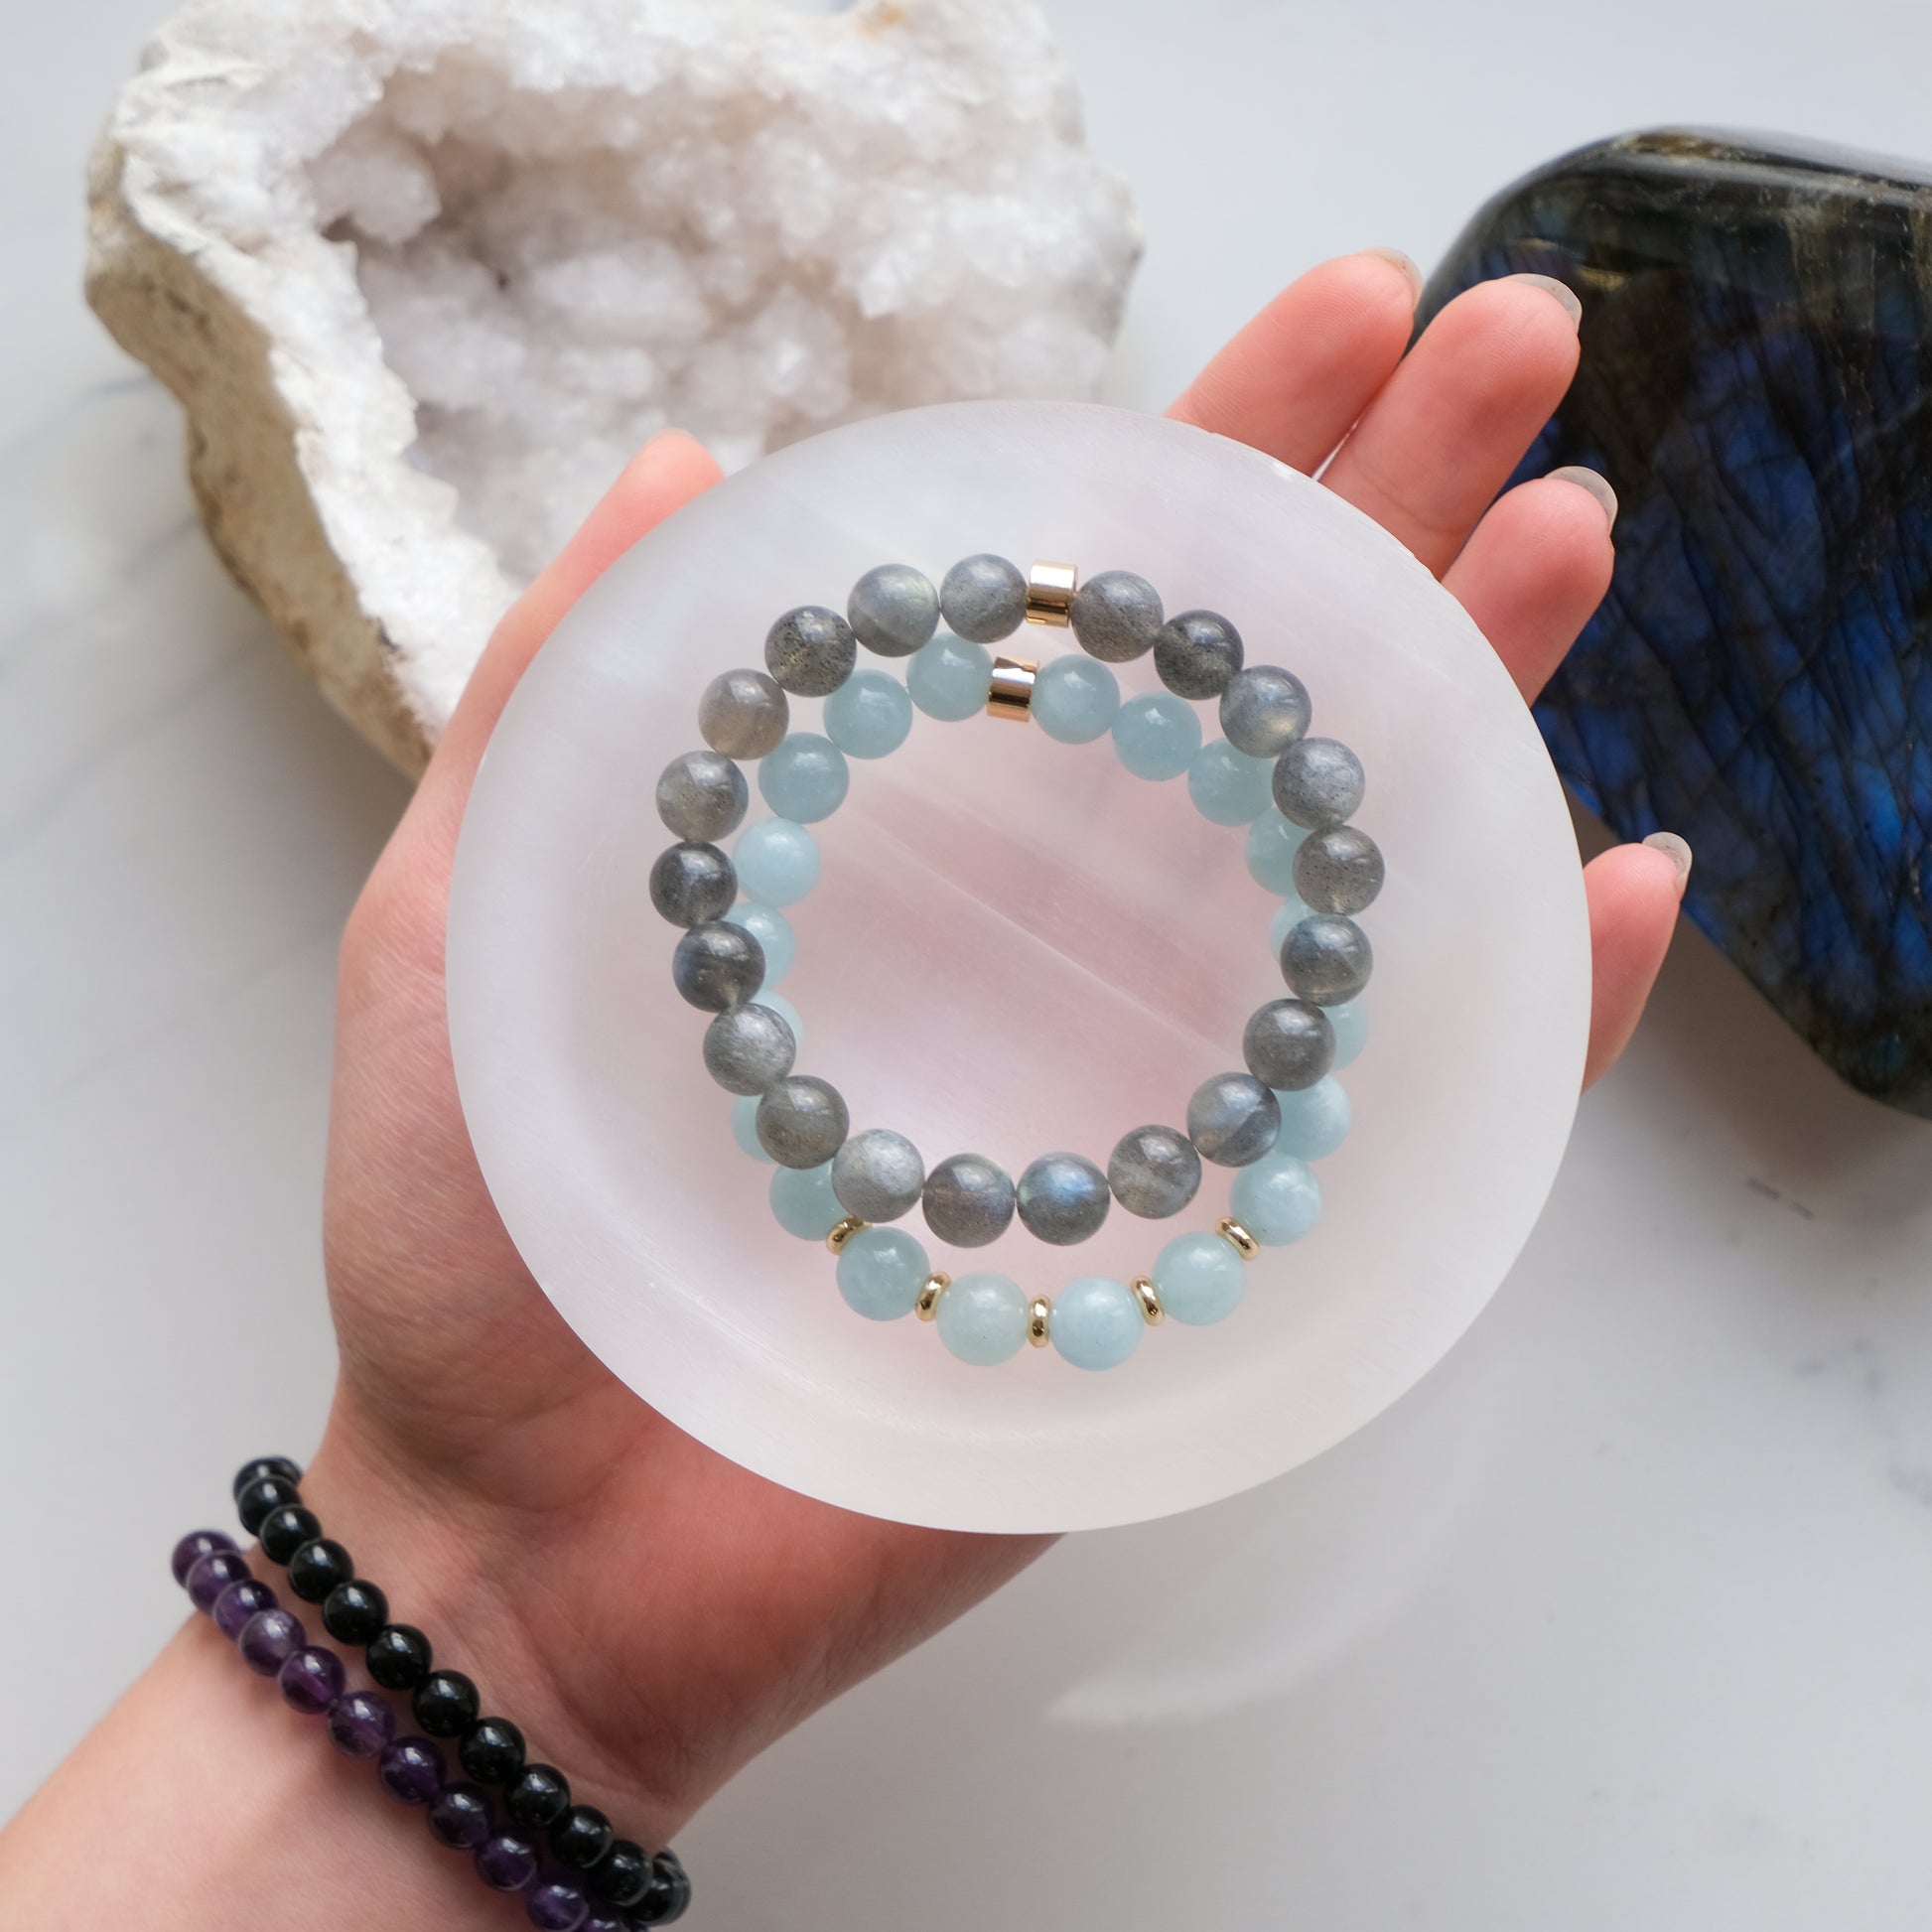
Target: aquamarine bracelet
(1296,795)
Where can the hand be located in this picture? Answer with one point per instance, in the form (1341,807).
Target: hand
(651,1614)
(654,1613)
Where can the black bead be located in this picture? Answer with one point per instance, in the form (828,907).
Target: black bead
(623,1875)
(670,1895)
(398,1657)
(581,1837)
(539,1797)
(444,1704)
(491,1751)
(354,1612)
(284,1530)
(262,1495)
(265,1466)
(318,1567)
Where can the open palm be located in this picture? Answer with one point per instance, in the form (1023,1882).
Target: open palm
(650,1613)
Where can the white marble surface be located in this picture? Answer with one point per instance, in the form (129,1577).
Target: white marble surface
(1620,1620)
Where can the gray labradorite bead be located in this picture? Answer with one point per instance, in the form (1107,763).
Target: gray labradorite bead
(702,796)
(1154,1171)
(801,1121)
(1264,710)
(894,610)
(984,598)
(1198,654)
(1116,617)
(692,884)
(1338,869)
(1288,1044)
(1317,783)
(1233,1119)
(717,967)
(968,1200)
(749,1047)
(1063,1198)
(810,651)
(743,714)
(878,1174)
(1326,959)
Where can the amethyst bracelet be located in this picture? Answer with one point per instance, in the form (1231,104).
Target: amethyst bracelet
(589,1881)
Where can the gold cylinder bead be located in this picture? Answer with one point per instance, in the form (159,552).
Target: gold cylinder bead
(844,1232)
(1148,1297)
(1050,592)
(1040,1321)
(926,1307)
(1011,694)
(1238,1238)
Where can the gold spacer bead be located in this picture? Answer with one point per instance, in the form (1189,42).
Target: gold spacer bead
(1050,592)
(1148,1297)
(844,1232)
(1237,1237)
(1011,694)
(1040,1321)
(936,1283)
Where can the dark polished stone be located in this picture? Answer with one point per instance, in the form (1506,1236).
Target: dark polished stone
(1756,385)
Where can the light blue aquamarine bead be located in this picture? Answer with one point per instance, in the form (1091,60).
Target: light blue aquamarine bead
(1277,1200)
(1074,699)
(777,860)
(804,778)
(1314,1119)
(1289,914)
(1200,1279)
(1157,735)
(881,1273)
(772,930)
(804,1203)
(949,677)
(869,715)
(1097,1323)
(745,1113)
(1272,842)
(982,1318)
(786,1012)
(1350,1021)
(1230,788)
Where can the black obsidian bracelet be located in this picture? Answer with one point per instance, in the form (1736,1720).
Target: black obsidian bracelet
(622,1885)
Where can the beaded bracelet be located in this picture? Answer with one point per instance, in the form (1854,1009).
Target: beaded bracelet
(605,1883)
(1296,794)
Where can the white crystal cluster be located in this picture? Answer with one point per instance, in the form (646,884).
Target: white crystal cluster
(425,272)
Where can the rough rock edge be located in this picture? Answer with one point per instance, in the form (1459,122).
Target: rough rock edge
(243,458)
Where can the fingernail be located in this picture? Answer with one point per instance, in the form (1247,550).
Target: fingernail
(1678,852)
(1595,486)
(1557,291)
(1401,261)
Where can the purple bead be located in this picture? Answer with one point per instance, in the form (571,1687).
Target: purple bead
(360,1724)
(458,1817)
(611,1921)
(192,1546)
(506,1861)
(411,1770)
(269,1639)
(556,1905)
(239,1602)
(210,1574)
(311,1680)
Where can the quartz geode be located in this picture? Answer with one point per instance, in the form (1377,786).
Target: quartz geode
(1757,382)
(425,274)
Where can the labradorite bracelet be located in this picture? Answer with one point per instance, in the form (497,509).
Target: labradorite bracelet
(563,1861)
(1293,793)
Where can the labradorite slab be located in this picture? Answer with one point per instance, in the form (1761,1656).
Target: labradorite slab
(1756,384)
